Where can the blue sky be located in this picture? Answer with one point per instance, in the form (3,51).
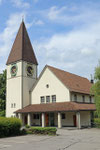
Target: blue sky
(64,33)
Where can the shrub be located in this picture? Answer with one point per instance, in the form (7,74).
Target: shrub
(97,122)
(29,132)
(23,132)
(9,126)
(40,130)
(27,126)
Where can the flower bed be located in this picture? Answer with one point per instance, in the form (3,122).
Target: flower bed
(40,130)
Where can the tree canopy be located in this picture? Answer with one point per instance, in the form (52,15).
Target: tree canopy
(96,89)
(2,93)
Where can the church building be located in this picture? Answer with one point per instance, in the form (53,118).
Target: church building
(55,98)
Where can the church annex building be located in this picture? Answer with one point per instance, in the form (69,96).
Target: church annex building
(55,98)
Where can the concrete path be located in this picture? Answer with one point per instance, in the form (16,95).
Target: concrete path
(85,139)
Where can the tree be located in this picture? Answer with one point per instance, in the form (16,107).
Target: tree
(96,89)
(2,93)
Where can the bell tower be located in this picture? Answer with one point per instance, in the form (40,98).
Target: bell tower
(21,72)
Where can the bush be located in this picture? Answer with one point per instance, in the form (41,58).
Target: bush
(2,113)
(40,130)
(27,126)
(23,132)
(9,126)
(97,122)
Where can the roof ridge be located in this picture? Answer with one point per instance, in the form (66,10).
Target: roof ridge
(67,72)
(72,81)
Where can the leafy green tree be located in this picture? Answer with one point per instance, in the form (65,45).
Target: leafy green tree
(96,89)
(2,93)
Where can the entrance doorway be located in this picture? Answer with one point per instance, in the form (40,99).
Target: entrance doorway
(52,119)
(49,119)
(74,120)
(25,120)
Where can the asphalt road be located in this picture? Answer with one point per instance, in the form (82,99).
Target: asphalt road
(85,139)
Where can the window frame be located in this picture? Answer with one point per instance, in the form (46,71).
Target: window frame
(75,97)
(83,98)
(63,116)
(12,106)
(47,100)
(41,100)
(53,99)
(36,116)
(90,99)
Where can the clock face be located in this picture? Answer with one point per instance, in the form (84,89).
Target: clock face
(29,70)
(14,70)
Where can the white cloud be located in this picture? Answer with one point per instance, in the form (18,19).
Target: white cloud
(9,32)
(77,51)
(72,15)
(35,1)
(35,22)
(7,36)
(55,12)
(2,67)
(20,3)
(38,22)
(0,2)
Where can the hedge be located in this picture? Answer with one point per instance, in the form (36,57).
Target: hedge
(9,126)
(40,130)
(97,122)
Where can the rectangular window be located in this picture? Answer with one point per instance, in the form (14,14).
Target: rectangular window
(63,116)
(83,97)
(47,99)
(36,116)
(11,105)
(14,105)
(42,99)
(90,99)
(75,97)
(53,98)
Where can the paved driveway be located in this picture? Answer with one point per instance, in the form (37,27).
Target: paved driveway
(86,139)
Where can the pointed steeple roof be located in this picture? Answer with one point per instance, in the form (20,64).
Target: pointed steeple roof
(22,48)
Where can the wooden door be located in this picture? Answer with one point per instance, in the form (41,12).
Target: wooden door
(47,119)
(74,121)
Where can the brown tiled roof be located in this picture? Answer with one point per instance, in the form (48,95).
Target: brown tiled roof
(55,107)
(22,48)
(73,82)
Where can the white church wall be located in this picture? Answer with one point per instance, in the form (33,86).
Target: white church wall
(18,88)
(68,121)
(13,96)
(28,83)
(56,87)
